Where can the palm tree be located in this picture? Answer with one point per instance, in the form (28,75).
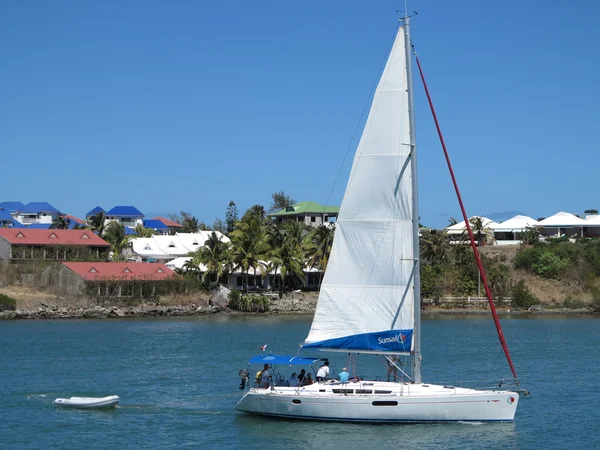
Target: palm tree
(284,250)
(61,222)
(189,223)
(143,232)
(248,244)
(452,221)
(317,248)
(214,255)
(97,222)
(481,232)
(116,237)
(434,247)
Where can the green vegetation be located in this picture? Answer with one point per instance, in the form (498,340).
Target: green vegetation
(115,235)
(7,303)
(522,296)
(248,302)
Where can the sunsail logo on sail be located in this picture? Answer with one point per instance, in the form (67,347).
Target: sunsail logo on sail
(398,338)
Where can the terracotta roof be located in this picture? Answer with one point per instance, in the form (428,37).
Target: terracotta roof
(93,271)
(24,236)
(168,222)
(75,219)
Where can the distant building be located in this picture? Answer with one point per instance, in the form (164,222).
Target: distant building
(172,227)
(128,216)
(509,232)
(39,244)
(310,213)
(106,279)
(7,220)
(561,224)
(35,213)
(163,248)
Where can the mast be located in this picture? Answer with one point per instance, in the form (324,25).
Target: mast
(415,206)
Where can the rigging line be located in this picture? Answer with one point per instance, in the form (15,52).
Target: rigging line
(466,219)
(362,114)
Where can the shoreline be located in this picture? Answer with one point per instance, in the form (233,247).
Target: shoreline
(116,312)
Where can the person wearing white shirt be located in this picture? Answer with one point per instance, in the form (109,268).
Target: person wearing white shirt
(323,372)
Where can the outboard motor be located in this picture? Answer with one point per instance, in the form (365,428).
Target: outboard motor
(244,375)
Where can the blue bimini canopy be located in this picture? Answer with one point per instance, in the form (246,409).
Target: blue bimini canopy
(283,359)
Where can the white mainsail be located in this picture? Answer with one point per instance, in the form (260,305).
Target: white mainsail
(366,302)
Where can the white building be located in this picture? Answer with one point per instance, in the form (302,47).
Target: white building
(36,212)
(456,231)
(164,248)
(561,224)
(509,231)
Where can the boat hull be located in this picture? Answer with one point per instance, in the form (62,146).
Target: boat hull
(88,402)
(406,404)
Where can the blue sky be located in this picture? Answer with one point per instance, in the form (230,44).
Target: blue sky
(191,104)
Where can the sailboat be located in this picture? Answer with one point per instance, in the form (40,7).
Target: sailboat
(369,302)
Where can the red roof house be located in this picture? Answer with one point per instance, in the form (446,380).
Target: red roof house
(102,271)
(168,222)
(23,243)
(109,279)
(77,220)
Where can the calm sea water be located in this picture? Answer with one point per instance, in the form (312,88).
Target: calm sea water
(178,383)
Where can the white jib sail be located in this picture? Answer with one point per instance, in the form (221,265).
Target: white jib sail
(368,285)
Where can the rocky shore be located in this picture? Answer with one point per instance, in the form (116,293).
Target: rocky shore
(278,306)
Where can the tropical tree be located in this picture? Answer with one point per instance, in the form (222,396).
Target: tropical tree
(248,244)
(231,216)
(143,232)
(481,232)
(530,236)
(220,226)
(434,247)
(255,211)
(452,221)
(317,247)
(214,255)
(116,237)
(189,223)
(284,250)
(96,223)
(280,201)
(61,222)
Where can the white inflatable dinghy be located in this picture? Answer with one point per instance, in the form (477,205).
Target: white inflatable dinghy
(88,402)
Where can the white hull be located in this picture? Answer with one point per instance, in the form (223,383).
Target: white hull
(408,403)
(88,402)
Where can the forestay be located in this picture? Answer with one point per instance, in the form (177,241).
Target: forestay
(366,302)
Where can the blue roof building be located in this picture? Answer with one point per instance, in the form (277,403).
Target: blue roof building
(94,211)
(38,207)
(129,216)
(35,212)
(6,220)
(11,206)
(125,211)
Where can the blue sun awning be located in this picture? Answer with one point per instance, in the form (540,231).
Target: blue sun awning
(284,359)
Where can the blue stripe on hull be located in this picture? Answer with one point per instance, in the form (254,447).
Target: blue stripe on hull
(337,419)
(384,341)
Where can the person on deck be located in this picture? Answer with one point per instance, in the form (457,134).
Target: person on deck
(293,380)
(344,376)
(265,376)
(323,372)
(301,376)
(307,380)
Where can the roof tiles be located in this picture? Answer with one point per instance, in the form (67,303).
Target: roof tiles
(94,271)
(28,236)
